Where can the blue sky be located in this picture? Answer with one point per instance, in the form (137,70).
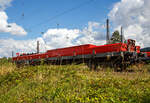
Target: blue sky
(24,22)
(40,11)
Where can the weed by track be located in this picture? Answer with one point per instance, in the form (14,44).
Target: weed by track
(72,83)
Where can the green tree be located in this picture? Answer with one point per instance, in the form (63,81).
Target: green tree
(116,37)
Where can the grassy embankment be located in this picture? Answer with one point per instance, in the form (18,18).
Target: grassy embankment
(71,83)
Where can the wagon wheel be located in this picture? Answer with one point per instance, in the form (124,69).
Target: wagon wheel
(18,65)
(92,64)
(123,67)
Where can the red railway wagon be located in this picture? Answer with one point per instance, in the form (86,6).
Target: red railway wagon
(146,58)
(69,54)
(148,54)
(118,54)
(78,53)
(70,51)
(36,58)
(138,49)
(29,59)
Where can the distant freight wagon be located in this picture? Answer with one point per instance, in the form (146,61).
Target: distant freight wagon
(147,52)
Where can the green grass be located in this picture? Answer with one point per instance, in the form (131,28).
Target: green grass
(72,83)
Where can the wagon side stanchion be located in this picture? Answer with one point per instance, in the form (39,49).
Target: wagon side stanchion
(92,62)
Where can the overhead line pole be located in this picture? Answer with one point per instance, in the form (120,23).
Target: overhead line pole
(12,54)
(38,47)
(107,36)
(121,34)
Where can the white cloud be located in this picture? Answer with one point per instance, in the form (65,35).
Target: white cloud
(67,37)
(92,34)
(4,4)
(11,28)
(60,37)
(21,46)
(6,27)
(134,16)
